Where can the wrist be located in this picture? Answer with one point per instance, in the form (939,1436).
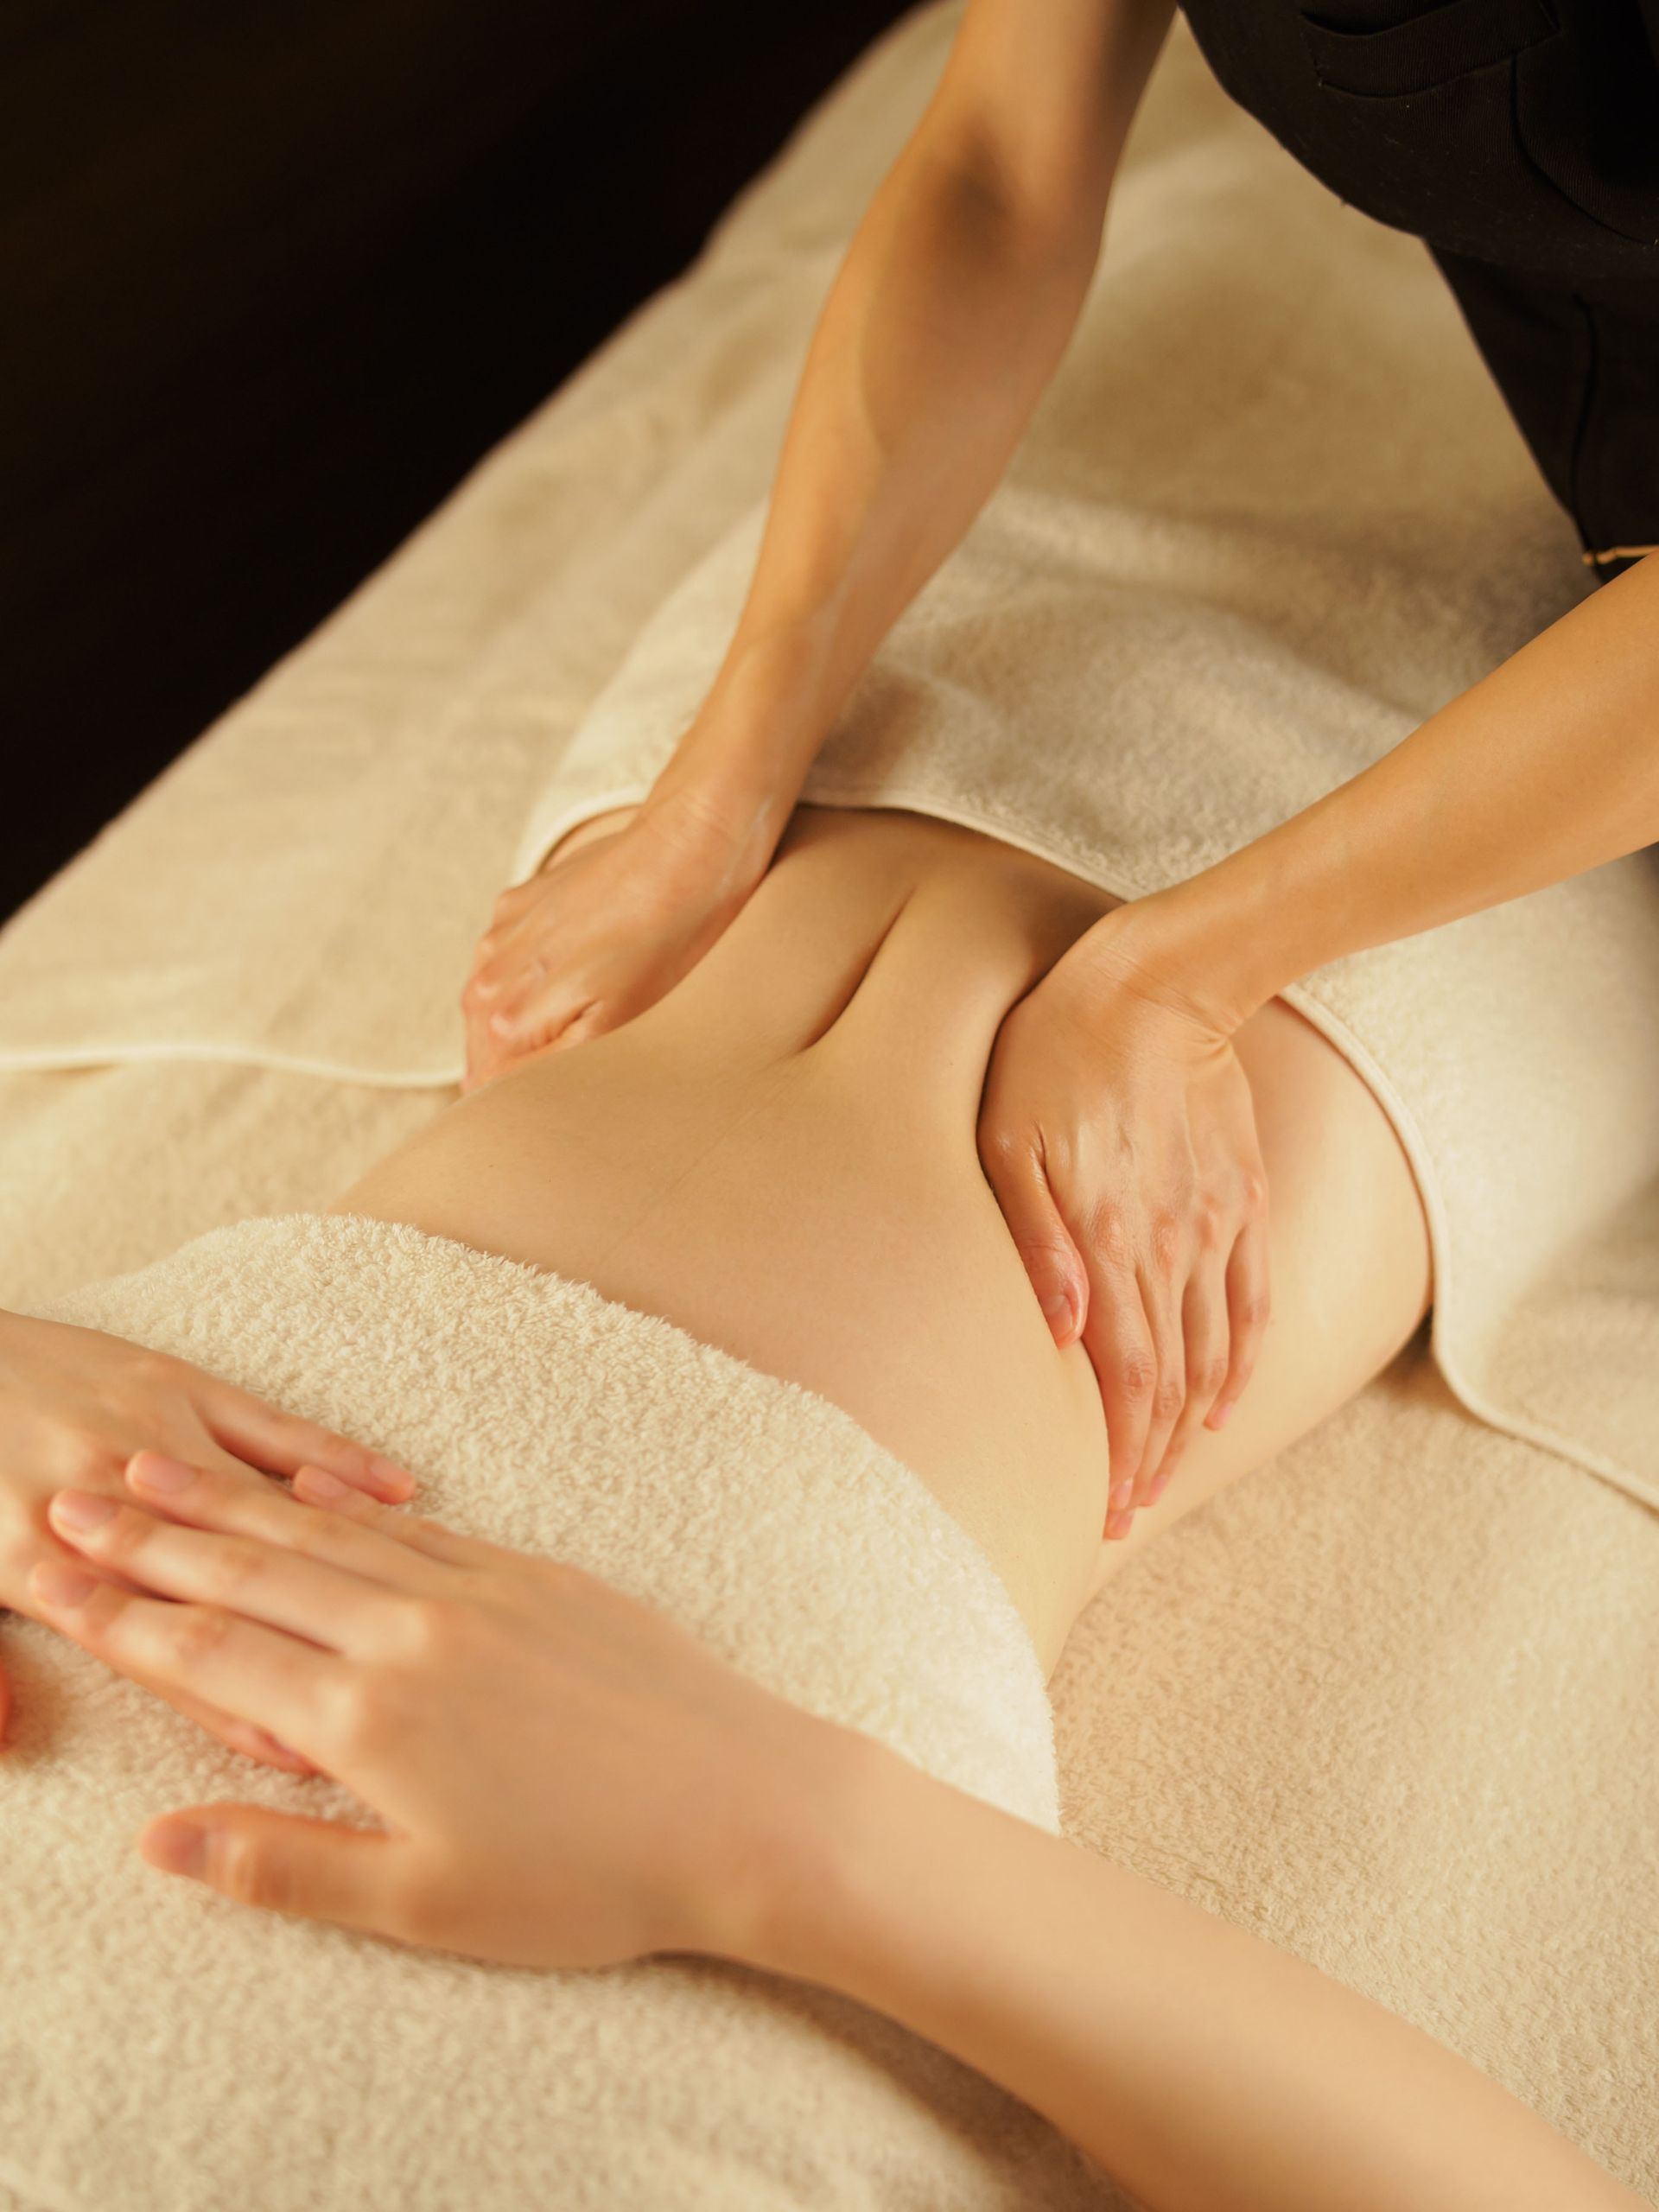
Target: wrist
(1202,948)
(747,751)
(723,831)
(808,1894)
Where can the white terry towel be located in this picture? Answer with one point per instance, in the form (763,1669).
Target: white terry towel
(162,2048)
(1269,515)
(1389,1703)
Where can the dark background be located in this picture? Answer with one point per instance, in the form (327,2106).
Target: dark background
(272,278)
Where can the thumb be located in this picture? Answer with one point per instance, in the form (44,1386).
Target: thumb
(1014,1168)
(314,1870)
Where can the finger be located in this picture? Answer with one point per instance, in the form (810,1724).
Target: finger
(53,1547)
(280,1443)
(381,1543)
(1014,1166)
(1168,1390)
(1204,1333)
(1118,1340)
(540,1014)
(256,1580)
(512,902)
(491,960)
(5,1706)
(283,1862)
(241,1736)
(242,1669)
(482,1054)
(508,911)
(498,959)
(315,1487)
(594,1021)
(513,973)
(236,1735)
(1249,1306)
(485,993)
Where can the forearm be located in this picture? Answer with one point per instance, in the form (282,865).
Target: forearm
(1545,767)
(1204,2071)
(945,322)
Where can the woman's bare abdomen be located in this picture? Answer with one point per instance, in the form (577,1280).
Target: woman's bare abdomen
(780,1157)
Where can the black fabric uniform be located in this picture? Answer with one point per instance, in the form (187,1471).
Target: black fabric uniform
(1520,139)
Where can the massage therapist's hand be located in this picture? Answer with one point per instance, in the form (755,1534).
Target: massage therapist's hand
(628,904)
(567,1778)
(75,1404)
(1118,1132)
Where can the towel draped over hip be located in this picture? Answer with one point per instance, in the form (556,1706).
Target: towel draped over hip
(539,1413)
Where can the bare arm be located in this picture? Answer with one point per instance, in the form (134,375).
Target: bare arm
(1545,767)
(957,298)
(588,1783)
(1204,2069)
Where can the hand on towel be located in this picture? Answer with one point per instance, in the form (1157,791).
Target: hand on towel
(75,1404)
(568,1778)
(1118,1132)
(627,905)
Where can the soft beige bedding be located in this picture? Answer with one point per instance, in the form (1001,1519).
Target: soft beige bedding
(537,1414)
(1392,1702)
(1269,514)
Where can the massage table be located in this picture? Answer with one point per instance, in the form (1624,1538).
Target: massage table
(1389,1702)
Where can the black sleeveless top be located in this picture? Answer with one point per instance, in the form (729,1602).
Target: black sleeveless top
(1520,140)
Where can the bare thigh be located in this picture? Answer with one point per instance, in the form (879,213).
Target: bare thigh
(780,1157)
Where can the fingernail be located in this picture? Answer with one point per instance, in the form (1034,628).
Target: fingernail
(1057,1308)
(1159,1486)
(389,1471)
(320,1483)
(180,1848)
(79,1509)
(152,1470)
(1119,1525)
(56,1583)
(273,1747)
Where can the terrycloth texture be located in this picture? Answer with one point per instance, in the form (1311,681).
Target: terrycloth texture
(540,1414)
(1269,515)
(1390,1702)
